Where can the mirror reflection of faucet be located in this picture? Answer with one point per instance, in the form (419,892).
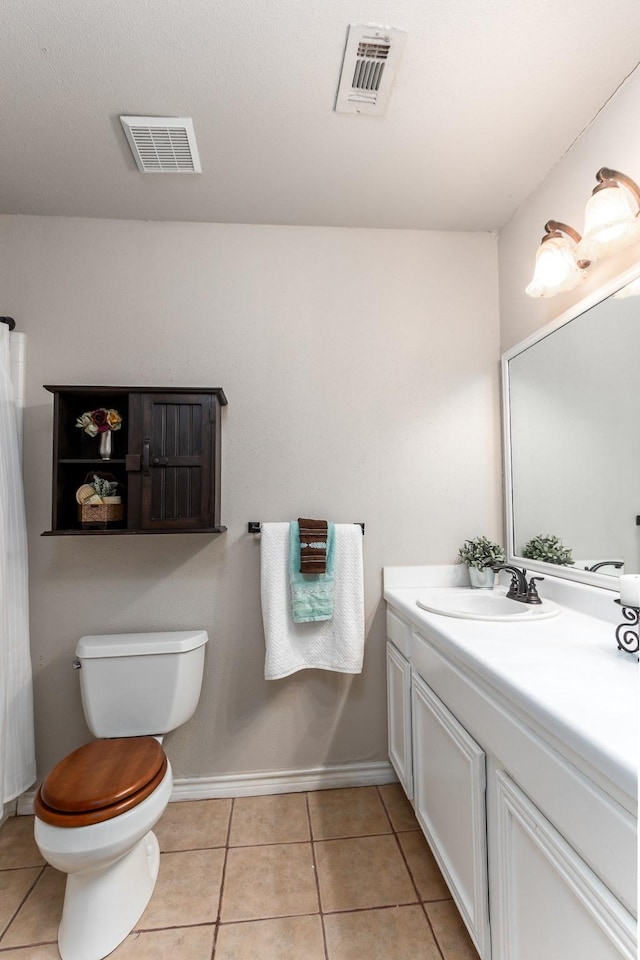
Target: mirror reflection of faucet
(616,564)
(520,589)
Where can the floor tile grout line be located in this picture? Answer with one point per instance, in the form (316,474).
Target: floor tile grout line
(231,809)
(433,932)
(406,863)
(276,916)
(219,846)
(317,913)
(379,906)
(20,906)
(222,880)
(384,807)
(354,836)
(317,879)
(278,843)
(171,926)
(28,946)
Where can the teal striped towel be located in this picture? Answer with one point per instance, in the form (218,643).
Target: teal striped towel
(311,594)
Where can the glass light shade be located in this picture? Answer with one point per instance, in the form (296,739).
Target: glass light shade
(556,269)
(610,224)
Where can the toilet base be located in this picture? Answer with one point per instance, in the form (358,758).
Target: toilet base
(101,907)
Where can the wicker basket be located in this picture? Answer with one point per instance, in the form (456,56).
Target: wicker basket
(100,514)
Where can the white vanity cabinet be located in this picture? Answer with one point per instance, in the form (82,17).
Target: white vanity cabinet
(541,863)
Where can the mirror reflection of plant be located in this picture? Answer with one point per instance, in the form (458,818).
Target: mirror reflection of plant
(549,549)
(481,552)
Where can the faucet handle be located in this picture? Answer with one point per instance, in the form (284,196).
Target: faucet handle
(514,586)
(532,590)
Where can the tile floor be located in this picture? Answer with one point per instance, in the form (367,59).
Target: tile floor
(330,875)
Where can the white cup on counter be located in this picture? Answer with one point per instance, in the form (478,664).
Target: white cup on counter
(630,590)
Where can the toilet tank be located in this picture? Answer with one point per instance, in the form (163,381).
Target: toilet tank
(136,684)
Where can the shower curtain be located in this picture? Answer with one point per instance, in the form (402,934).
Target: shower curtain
(17,752)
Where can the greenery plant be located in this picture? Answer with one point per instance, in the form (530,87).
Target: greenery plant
(104,488)
(481,553)
(549,549)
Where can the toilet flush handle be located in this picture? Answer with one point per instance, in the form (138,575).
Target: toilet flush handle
(76,664)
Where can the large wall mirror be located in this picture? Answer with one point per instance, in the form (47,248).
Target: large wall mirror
(572,439)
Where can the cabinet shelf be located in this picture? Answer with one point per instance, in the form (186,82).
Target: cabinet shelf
(115,532)
(97,461)
(166,459)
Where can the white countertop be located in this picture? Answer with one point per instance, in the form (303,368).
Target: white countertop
(565,673)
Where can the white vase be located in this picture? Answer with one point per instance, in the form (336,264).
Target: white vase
(105,445)
(482,579)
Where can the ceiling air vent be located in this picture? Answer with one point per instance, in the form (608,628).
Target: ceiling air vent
(163,144)
(371,58)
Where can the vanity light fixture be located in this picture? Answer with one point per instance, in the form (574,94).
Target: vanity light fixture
(612,223)
(612,216)
(557,266)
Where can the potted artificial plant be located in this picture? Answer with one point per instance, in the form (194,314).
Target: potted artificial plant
(480,556)
(549,549)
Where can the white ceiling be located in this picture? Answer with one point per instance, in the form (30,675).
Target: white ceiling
(488,96)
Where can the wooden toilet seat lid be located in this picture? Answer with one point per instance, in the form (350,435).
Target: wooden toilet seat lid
(101,779)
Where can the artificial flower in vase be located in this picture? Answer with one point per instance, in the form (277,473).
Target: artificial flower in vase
(101,422)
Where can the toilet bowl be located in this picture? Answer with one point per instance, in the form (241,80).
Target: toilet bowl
(96,809)
(112,868)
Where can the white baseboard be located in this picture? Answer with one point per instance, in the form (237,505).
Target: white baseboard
(25,803)
(8,810)
(269,782)
(283,781)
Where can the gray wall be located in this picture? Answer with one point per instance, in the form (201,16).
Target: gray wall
(361,369)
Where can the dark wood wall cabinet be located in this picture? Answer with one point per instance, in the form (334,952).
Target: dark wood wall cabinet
(165,458)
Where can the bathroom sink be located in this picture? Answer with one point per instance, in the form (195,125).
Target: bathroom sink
(469,604)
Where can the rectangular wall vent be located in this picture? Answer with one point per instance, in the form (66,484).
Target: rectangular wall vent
(370,62)
(163,144)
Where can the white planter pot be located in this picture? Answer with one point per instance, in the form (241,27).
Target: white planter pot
(483,579)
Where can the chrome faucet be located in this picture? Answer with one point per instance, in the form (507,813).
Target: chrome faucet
(521,589)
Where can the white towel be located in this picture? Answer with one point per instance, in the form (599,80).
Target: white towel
(336,644)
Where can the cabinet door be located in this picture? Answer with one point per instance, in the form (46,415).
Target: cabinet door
(399,717)
(549,903)
(449,779)
(175,434)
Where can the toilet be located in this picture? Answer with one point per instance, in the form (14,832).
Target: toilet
(96,809)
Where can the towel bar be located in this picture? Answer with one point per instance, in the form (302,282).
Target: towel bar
(253,526)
